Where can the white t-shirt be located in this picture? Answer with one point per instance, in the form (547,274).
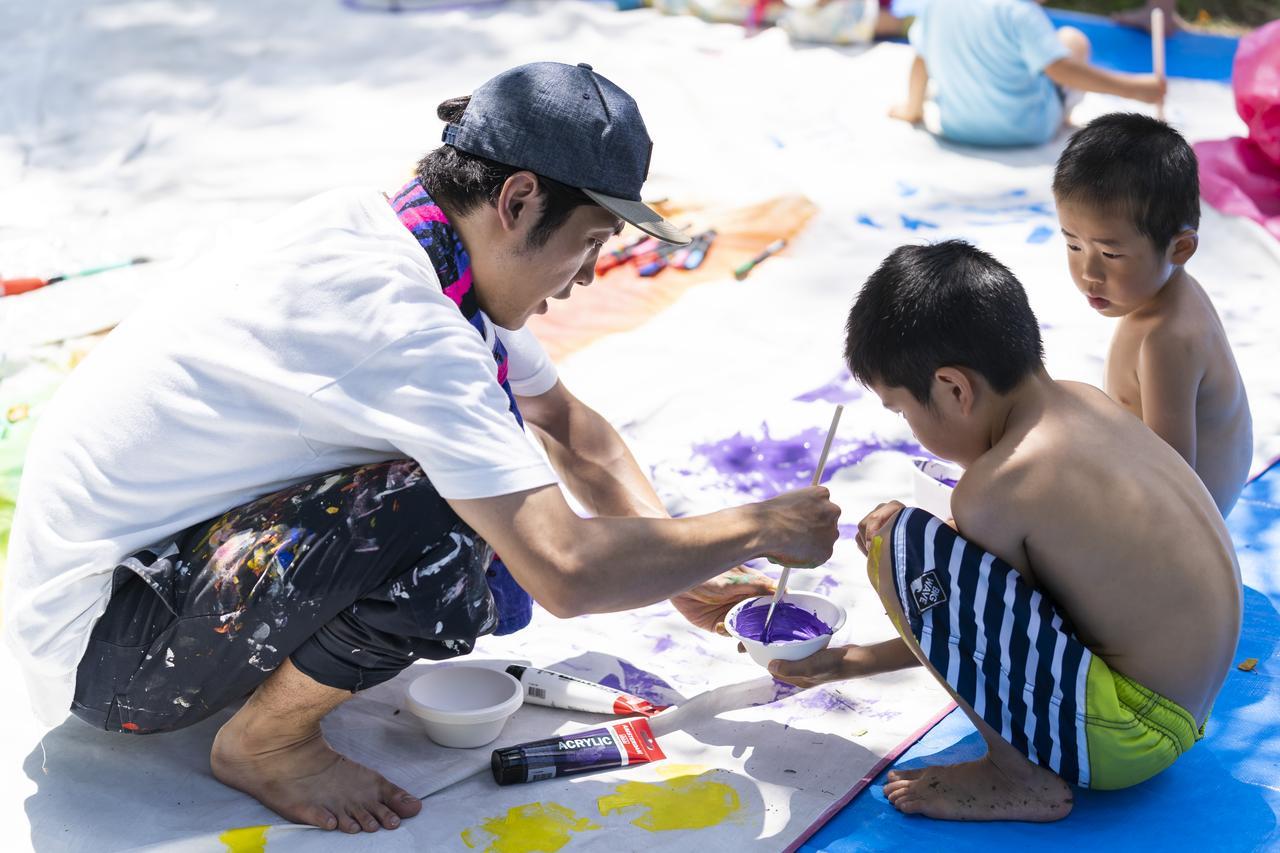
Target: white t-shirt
(319,340)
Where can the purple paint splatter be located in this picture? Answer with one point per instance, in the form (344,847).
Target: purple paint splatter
(766,466)
(646,685)
(842,389)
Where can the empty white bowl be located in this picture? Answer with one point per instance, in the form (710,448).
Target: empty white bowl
(464,706)
(821,606)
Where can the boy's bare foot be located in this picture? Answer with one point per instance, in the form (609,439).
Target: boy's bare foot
(979,790)
(303,780)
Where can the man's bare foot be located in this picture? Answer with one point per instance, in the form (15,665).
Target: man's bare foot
(978,790)
(303,780)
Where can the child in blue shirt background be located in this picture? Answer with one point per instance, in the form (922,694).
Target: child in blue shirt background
(1002,75)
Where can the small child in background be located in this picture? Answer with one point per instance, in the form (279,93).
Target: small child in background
(1128,198)
(1003,76)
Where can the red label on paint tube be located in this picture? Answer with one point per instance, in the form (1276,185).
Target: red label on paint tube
(637,742)
(627,705)
(617,745)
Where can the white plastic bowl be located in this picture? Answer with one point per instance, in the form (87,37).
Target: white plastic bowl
(821,606)
(464,706)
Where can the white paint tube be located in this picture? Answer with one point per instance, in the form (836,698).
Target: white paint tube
(557,690)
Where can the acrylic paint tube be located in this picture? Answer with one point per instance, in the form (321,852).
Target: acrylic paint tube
(618,744)
(557,690)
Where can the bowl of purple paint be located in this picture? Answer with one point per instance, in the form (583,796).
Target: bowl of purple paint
(801,626)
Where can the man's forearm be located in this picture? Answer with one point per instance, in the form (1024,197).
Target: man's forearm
(596,465)
(573,565)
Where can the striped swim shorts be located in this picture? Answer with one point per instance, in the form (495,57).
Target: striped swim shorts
(1006,650)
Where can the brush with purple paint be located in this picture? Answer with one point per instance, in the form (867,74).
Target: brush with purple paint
(817,478)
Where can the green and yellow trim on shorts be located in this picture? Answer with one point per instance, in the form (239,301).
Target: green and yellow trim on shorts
(1007,652)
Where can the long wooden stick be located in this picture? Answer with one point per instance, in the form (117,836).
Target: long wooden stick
(1157,53)
(786,570)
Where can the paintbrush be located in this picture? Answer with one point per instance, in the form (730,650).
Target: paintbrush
(786,570)
(14,286)
(1157,52)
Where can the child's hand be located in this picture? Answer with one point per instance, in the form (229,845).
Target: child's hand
(905,113)
(707,603)
(874,520)
(830,664)
(1148,88)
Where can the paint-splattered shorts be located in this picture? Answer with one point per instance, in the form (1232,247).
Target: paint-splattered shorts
(353,575)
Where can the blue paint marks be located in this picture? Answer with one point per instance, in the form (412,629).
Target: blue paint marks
(863,219)
(905,190)
(915,224)
(777,143)
(1040,234)
(1016,193)
(1031,209)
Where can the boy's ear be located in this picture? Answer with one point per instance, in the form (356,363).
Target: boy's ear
(518,201)
(953,390)
(1183,246)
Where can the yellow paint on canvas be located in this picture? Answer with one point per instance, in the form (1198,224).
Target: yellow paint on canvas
(531,828)
(246,839)
(683,802)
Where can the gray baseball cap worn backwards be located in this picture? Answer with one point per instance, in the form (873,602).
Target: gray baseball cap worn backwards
(567,123)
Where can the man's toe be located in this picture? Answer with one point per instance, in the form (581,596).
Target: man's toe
(385,816)
(366,820)
(317,816)
(402,802)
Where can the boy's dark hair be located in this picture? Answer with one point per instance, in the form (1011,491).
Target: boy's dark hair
(1135,166)
(462,182)
(948,304)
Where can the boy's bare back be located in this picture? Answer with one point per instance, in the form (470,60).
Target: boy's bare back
(1172,366)
(1101,514)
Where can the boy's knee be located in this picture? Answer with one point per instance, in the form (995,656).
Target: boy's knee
(880,562)
(1076,42)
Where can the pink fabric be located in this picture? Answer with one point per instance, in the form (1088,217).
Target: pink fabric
(1238,179)
(459,288)
(1242,176)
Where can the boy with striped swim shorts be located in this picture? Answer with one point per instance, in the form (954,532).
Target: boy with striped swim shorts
(1083,606)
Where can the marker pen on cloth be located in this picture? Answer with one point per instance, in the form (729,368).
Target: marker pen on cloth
(697,251)
(618,744)
(557,690)
(772,249)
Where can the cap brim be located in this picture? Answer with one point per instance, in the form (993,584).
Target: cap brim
(641,216)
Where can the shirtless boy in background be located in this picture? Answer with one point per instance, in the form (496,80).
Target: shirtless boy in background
(1087,612)
(1128,194)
